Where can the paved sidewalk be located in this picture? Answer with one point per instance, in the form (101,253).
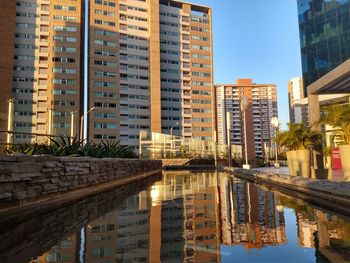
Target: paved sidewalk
(333,175)
(273,170)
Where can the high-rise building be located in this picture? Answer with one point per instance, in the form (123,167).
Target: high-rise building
(298,103)
(149,67)
(262,106)
(7,31)
(187,89)
(45,66)
(324,36)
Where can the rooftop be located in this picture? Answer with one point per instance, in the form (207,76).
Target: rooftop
(194,7)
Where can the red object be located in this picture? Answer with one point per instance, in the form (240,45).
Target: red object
(336,161)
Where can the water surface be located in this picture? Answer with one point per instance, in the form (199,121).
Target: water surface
(184,217)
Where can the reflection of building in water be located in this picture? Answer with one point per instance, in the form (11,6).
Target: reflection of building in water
(249,216)
(307,228)
(133,233)
(328,234)
(189,225)
(65,251)
(100,238)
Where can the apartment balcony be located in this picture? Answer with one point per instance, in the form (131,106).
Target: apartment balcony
(187,113)
(186,95)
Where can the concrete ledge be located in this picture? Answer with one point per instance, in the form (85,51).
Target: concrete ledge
(175,162)
(190,167)
(334,196)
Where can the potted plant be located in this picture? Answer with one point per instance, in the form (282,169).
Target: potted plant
(298,141)
(339,118)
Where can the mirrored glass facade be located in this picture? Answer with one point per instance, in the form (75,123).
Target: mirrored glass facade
(324,36)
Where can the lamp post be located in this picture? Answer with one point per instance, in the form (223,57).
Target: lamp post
(10,122)
(244,107)
(215,150)
(72,115)
(82,124)
(171,135)
(50,122)
(275,122)
(228,132)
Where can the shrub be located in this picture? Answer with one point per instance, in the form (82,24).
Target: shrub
(339,118)
(65,146)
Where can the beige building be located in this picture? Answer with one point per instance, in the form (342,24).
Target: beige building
(46,67)
(298,102)
(149,68)
(262,106)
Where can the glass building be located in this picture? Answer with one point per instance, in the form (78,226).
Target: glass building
(324,36)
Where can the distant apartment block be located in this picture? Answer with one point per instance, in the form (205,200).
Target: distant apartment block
(262,106)
(149,68)
(298,103)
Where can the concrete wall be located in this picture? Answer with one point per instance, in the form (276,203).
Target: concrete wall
(33,177)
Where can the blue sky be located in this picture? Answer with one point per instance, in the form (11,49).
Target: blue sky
(256,39)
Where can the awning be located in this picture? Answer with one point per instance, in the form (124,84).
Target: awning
(336,81)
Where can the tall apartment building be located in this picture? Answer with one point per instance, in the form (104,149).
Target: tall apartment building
(324,36)
(149,68)
(298,103)
(46,68)
(187,90)
(7,31)
(262,106)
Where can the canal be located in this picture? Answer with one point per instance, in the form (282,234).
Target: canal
(181,217)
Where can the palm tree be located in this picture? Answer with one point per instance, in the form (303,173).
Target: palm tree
(298,137)
(338,117)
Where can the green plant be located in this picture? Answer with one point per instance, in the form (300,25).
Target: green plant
(338,116)
(327,151)
(73,147)
(298,137)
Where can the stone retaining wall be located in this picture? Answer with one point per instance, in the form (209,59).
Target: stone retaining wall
(31,177)
(32,236)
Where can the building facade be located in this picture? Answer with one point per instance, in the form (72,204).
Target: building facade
(324,36)
(46,67)
(149,67)
(298,103)
(262,106)
(187,90)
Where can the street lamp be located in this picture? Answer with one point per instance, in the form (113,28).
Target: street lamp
(228,131)
(82,123)
(171,129)
(72,115)
(50,122)
(10,122)
(275,122)
(244,107)
(171,135)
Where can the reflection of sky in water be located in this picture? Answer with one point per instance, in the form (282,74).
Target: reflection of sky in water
(290,252)
(188,217)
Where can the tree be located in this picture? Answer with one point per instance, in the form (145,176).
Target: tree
(338,116)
